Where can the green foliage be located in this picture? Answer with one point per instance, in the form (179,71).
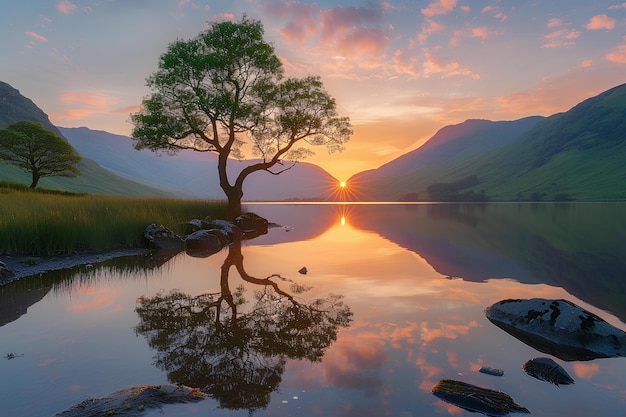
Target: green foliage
(224,86)
(47,224)
(443,191)
(32,148)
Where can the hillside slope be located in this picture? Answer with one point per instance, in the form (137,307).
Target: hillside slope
(577,155)
(94,179)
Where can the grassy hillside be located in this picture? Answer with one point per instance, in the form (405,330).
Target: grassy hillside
(577,155)
(94,179)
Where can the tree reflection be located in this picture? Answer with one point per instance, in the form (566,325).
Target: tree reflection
(232,349)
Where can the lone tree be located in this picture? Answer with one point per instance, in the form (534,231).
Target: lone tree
(34,149)
(225,88)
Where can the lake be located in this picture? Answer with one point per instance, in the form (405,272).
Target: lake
(392,301)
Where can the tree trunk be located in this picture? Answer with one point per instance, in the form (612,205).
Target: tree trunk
(234,195)
(33,184)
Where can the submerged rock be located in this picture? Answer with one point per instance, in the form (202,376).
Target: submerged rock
(476,399)
(559,328)
(491,371)
(545,369)
(133,401)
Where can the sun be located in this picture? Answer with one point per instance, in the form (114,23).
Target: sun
(342,184)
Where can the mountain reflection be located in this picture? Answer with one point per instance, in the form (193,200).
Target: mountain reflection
(233,349)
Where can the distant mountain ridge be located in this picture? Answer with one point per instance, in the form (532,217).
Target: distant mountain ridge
(576,155)
(193,174)
(111,165)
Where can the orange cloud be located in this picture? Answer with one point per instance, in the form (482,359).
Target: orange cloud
(434,65)
(601,21)
(403,64)
(617,55)
(66,7)
(439,7)
(40,38)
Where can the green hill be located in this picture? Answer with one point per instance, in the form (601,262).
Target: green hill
(94,179)
(577,155)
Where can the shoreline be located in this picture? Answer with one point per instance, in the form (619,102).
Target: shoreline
(59,262)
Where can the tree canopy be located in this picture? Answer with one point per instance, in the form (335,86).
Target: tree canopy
(225,88)
(36,150)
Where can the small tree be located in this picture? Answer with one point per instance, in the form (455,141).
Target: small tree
(34,149)
(224,88)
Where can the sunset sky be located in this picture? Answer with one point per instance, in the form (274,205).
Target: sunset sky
(400,70)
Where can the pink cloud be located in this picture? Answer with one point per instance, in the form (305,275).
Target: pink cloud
(586,63)
(554,22)
(301,19)
(344,19)
(362,41)
(40,38)
(618,6)
(428,28)
(601,21)
(439,7)
(617,55)
(222,17)
(481,33)
(66,7)
(403,64)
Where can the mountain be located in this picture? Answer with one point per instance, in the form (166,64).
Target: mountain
(94,179)
(576,155)
(111,165)
(193,174)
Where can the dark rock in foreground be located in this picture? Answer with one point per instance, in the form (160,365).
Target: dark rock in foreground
(160,237)
(476,399)
(5,272)
(133,401)
(545,369)
(559,328)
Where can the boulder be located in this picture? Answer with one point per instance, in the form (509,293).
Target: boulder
(476,399)
(160,237)
(5,272)
(559,328)
(133,401)
(203,243)
(252,225)
(545,369)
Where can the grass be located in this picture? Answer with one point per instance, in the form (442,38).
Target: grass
(49,223)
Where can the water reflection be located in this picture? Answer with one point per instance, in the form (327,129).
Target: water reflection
(233,349)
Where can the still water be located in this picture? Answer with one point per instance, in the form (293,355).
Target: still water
(392,302)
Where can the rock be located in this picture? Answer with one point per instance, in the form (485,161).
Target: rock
(160,237)
(491,371)
(133,401)
(203,243)
(5,272)
(558,328)
(303,270)
(545,369)
(476,399)
(252,225)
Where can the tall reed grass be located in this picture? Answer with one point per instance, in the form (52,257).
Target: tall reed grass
(37,223)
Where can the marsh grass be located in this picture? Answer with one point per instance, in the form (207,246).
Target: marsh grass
(36,223)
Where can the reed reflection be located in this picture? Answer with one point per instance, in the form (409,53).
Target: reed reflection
(232,345)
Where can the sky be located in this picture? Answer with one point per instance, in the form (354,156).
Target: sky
(400,70)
